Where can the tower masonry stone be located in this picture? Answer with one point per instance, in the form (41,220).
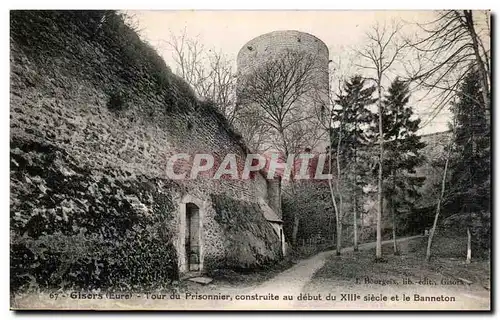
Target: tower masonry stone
(264,48)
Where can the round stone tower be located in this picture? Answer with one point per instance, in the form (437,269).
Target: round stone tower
(264,48)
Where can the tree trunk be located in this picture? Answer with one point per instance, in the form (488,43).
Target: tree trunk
(339,238)
(438,207)
(338,208)
(390,204)
(469,250)
(355,224)
(378,251)
(337,218)
(355,202)
(334,202)
(361,227)
(330,227)
(338,223)
(296,217)
(394,240)
(479,61)
(340,211)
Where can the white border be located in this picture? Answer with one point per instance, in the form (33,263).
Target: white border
(188,4)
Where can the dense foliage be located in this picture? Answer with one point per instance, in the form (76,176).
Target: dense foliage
(73,227)
(468,201)
(402,155)
(351,140)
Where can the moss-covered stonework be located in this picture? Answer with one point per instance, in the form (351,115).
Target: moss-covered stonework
(76,227)
(249,240)
(95,116)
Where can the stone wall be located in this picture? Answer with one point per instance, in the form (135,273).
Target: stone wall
(432,168)
(274,196)
(258,50)
(109,110)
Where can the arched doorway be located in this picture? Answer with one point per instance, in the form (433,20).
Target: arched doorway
(189,241)
(192,237)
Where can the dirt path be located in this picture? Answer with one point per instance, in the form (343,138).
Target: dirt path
(292,281)
(299,280)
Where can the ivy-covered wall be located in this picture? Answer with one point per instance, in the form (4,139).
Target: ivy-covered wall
(95,115)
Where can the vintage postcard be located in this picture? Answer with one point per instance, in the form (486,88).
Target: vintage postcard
(250,160)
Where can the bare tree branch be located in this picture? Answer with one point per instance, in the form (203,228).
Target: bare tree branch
(382,51)
(281,89)
(209,72)
(451,44)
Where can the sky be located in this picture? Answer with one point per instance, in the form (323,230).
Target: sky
(228,31)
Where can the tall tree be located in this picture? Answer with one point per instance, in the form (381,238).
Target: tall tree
(354,113)
(330,120)
(469,192)
(442,193)
(326,111)
(280,89)
(382,51)
(402,153)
